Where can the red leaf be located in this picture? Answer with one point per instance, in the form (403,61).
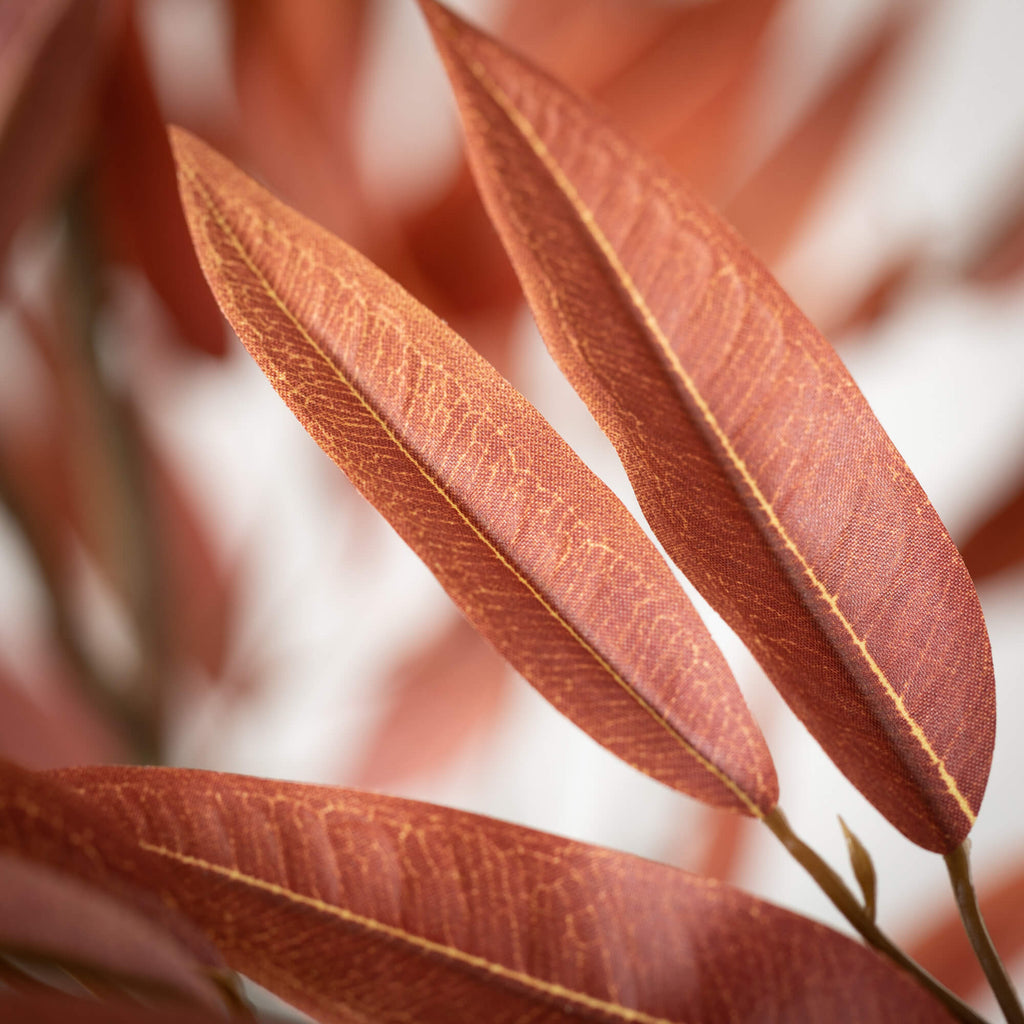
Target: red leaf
(296,67)
(141,201)
(440,698)
(349,904)
(535,550)
(57,1009)
(49,915)
(50,53)
(772,206)
(997,543)
(755,458)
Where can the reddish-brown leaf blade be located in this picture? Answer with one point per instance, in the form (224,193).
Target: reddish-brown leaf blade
(773,204)
(536,551)
(296,67)
(42,820)
(50,52)
(436,915)
(439,699)
(754,456)
(997,543)
(141,201)
(17,1008)
(49,915)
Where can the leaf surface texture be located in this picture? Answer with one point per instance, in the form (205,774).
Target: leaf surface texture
(755,458)
(540,556)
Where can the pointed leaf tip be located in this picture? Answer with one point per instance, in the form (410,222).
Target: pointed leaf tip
(754,456)
(537,552)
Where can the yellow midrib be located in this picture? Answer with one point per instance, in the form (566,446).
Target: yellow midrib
(271,293)
(549,989)
(540,149)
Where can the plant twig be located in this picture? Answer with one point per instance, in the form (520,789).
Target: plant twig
(850,907)
(959,866)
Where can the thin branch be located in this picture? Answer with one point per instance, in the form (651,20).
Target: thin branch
(959,866)
(850,907)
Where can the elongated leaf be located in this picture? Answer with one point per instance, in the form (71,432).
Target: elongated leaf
(50,52)
(754,457)
(58,919)
(355,906)
(997,542)
(17,1008)
(440,698)
(137,172)
(537,552)
(773,204)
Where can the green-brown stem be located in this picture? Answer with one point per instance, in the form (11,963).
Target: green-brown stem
(959,867)
(850,907)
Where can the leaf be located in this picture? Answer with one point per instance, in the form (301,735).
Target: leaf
(141,203)
(536,551)
(773,204)
(439,699)
(997,542)
(436,915)
(57,1009)
(49,916)
(50,53)
(756,460)
(296,69)
(863,869)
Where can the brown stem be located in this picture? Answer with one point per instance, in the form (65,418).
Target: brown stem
(959,866)
(125,451)
(850,907)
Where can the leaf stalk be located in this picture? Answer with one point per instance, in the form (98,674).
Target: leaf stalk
(959,866)
(851,908)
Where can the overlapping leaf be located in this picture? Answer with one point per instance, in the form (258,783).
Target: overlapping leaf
(755,458)
(136,171)
(50,54)
(355,906)
(51,918)
(537,552)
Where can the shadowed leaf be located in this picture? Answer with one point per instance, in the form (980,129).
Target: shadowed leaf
(50,53)
(997,543)
(540,556)
(436,915)
(773,204)
(50,917)
(439,699)
(754,457)
(141,202)
(56,1009)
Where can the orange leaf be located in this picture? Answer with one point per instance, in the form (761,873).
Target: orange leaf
(45,914)
(437,700)
(755,458)
(773,204)
(141,203)
(540,556)
(353,906)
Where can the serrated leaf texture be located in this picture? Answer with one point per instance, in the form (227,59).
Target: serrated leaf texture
(356,906)
(754,456)
(541,557)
